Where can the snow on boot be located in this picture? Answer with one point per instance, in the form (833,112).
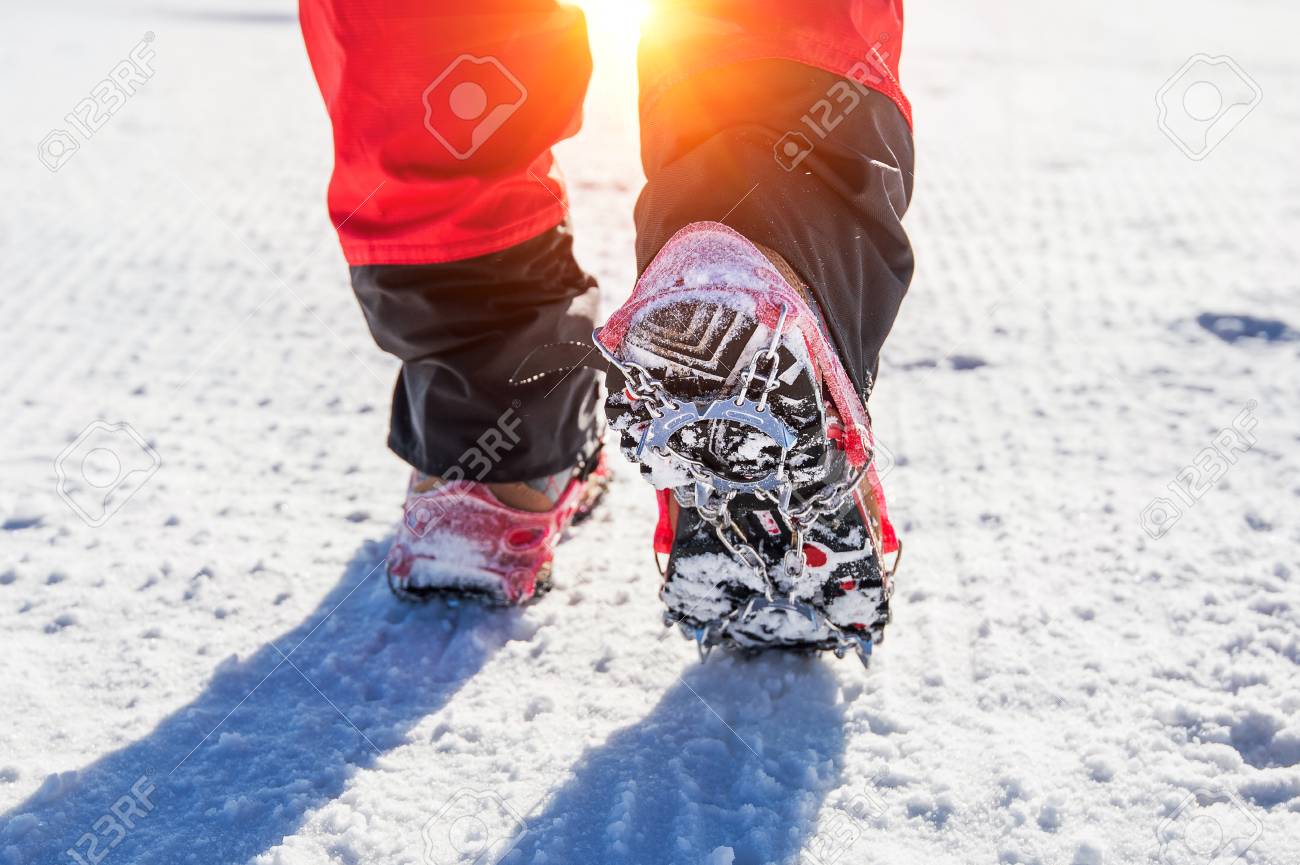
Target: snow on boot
(727,391)
(459,538)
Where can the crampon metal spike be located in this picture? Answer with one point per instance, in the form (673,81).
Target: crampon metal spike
(863,649)
(702,642)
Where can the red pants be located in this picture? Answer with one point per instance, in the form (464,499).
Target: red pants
(444,113)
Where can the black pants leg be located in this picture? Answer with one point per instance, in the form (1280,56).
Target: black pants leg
(461,330)
(710,147)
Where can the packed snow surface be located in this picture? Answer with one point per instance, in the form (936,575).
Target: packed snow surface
(1090,399)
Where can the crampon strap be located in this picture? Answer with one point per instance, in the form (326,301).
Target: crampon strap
(888,537)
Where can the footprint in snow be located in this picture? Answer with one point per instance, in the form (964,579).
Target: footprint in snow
(958,362)
(964,362)
(1235,328)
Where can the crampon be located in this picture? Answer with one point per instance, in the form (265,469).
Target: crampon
(726,389)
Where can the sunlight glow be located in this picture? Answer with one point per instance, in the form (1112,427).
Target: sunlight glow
(617,20)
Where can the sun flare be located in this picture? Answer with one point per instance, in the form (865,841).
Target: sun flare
(615,19)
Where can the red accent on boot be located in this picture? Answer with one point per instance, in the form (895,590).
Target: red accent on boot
(666,528)
(814,555)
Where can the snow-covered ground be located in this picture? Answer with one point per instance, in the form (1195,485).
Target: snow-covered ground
(217,674)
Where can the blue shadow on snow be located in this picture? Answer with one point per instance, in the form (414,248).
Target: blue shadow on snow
(282,751)
(684,781)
